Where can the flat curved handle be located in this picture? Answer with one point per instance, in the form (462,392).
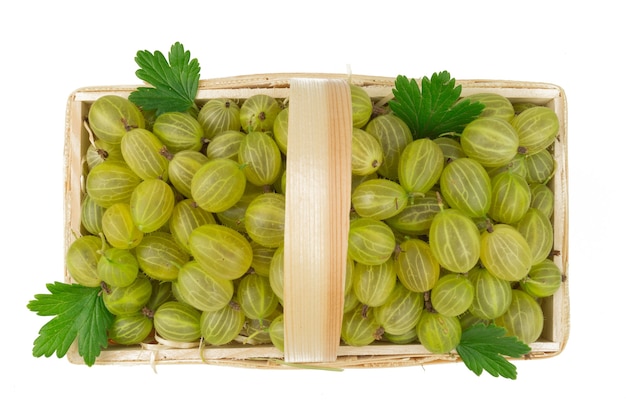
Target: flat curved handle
(317,212)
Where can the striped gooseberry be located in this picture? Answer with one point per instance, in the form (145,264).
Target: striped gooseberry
(543,280)
(82,259)
(359,327)
(454,240)
(221,251)
(222,326)
(416,218)
(186,216)
(542,198)
(111,116)
(129,299)
(225,145)
(177,322)
(490,140)
(401,311)
(370,241)
(496,105)
(492,295)
(258,113)
(537,229)
(379,199)
(540,167)
(394,135)
(218,115)
(537,128)
(438,333)
(118,267)
(111,182)
(145,154)
(280,129)
(201,290)
(416,265)
(510,197)
(178,131)
(523,319)
(277,332)
(182,168)
(420,166)
(119,228)
(362,106)
(256,297)
(218,185)
(466,186)
(260,158)
(366,154)
(151,204)
(452,294)
(130,329)
(264,219)
(91,215)
(373,284)
(100,151)
(505,252)
(160,257)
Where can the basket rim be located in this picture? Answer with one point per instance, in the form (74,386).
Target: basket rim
(282,80)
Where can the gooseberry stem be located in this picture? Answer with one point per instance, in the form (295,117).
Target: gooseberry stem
(147,312)
(166,153)
(489,225)
(127,127)
(378,334)
(428,305)
(440,201)
(105,287)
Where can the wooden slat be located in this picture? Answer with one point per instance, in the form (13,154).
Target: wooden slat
(317,213)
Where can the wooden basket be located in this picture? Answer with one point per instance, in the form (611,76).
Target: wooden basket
(556,308)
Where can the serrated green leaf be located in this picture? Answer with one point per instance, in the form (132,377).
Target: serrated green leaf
(162,101)
(80,314)
(494,364)
(494,339)
(153,68)
(174,84)
(434,109)
(487,348)
(186,69)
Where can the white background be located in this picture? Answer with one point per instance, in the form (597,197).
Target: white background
(51,48)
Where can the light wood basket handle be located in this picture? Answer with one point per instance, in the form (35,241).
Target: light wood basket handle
(316,217)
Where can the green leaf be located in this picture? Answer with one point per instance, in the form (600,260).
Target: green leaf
(434,110)
(486,348)
(80,314)
(174,83)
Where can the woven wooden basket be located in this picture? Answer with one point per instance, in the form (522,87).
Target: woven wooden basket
(555,308)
